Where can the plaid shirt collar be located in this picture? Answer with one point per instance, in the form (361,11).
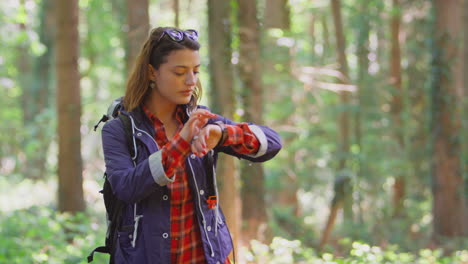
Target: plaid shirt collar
(181,115)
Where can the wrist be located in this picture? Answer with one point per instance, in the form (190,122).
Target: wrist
(184,134)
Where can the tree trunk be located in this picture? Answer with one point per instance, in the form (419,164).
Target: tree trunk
(334,207)
(277,14)
(363,85)
(397,106)
(449,208)
(253,193)
(138,28)
(222,101)
(343,119)
(326,38)
(312,32)
(70,181)
(344,198)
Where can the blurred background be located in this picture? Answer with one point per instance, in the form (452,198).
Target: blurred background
(369,97)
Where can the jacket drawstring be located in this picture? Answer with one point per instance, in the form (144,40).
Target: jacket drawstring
(217,196)
(136,218)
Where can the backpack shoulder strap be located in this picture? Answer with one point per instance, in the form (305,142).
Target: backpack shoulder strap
(127,125)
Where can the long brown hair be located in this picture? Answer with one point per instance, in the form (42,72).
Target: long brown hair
(155,53)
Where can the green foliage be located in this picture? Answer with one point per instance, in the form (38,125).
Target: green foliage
(284,224)
(40,235)
(282,251)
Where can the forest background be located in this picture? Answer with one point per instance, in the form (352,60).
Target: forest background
(369,97)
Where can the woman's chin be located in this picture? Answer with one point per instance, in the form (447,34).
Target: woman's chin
(183,101)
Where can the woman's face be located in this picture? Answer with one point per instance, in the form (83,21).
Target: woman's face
(176,79)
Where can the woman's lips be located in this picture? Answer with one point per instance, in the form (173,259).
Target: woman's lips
(186,92)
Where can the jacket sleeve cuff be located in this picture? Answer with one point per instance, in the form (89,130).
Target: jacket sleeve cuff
(157,169)
(258,132)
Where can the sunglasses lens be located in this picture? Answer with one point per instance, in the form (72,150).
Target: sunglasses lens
(175,35)
(192,34)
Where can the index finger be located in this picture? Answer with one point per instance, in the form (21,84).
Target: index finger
(203,114)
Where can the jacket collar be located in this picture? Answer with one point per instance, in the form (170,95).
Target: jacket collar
(142,121)
(139,118)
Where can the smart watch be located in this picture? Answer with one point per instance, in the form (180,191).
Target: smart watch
(224,133)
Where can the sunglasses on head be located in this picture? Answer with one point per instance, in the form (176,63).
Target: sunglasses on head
(179,35)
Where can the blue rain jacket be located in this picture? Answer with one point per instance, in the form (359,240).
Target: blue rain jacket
(145,234)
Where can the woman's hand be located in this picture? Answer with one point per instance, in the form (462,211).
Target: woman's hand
(206,139)
(196,122)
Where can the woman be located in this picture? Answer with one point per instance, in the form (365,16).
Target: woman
(172,215)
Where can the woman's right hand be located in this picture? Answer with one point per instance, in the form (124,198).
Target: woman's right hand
(196,122)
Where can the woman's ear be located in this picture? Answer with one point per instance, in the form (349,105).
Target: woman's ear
(151,73)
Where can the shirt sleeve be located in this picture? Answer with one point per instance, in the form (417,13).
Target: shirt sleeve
(173,155)
(241,139)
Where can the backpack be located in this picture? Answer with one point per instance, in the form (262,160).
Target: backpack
(114,207)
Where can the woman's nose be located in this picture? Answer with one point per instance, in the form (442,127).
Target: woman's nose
(191,79)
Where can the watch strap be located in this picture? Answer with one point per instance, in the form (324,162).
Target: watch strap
(224,133)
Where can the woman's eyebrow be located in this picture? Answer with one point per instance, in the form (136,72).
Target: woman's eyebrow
(185,67)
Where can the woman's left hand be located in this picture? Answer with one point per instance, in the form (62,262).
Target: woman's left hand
(206,139)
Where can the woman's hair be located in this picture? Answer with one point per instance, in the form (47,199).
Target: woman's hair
(155,53)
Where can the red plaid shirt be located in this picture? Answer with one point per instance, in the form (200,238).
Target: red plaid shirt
(186,243)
